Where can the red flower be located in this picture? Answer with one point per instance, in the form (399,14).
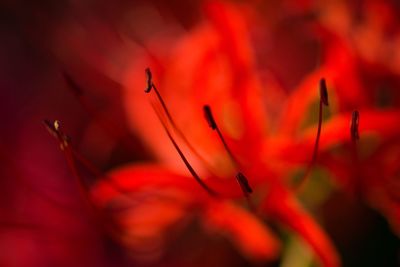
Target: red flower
(212,65)
(257,141)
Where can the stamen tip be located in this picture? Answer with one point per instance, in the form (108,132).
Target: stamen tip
(50,127)
(149,78)
(244,183)
(323,91)
(209,117)
(54,129)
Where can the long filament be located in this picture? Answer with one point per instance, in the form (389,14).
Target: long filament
(240,178)
(210,191)
(323,101)
(150,86)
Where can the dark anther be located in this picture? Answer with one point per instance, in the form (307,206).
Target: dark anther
(51,127)
(209,117)
(54,129)
(149,80)
(323,91)
(355,119)
(243,182)
(213,125)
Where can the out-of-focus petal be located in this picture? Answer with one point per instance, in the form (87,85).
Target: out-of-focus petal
(248,233)
(131,179)
(298,102)
(143,204)
(281,205)
(381,124)
(229,22)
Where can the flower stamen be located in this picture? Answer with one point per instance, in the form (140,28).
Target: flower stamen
(323,92)
(64,141)
(210,191)
(150,86)
(213,125)
(244,183)
(241,179)
(323,101)
(54,129)
(73,156)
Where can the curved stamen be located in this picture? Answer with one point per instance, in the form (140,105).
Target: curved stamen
(54,129)
(150,85)
(70,156)
(73,156)
(323,92)
(323,101)
(210,191)
(241,179)
(64,141)
(213,125)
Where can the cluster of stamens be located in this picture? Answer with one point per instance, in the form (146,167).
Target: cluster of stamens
(240,177)
(167,120)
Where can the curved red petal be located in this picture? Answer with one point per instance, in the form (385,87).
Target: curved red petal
(282,206)
(248,233)
(135,178)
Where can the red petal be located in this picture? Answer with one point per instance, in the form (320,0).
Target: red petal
(135,178)
(248,233)
(298,103)
(385,124)
(229,22)
(282,206)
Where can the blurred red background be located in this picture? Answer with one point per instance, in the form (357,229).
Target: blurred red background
(279,50)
